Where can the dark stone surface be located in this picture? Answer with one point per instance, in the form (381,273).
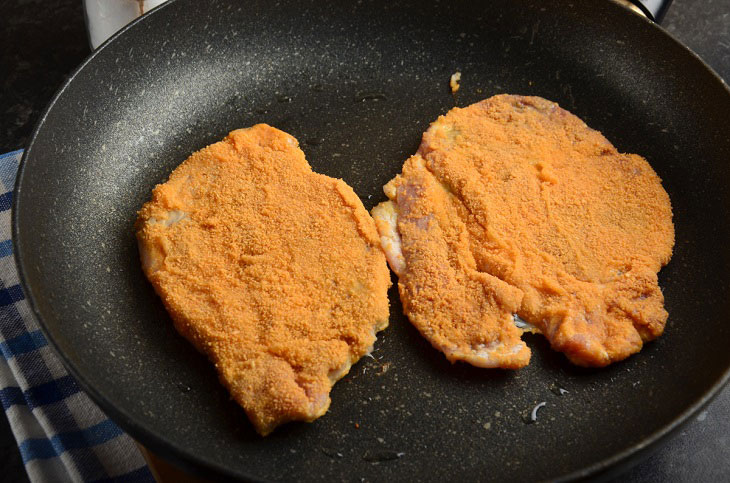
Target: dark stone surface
(10,462)
(704,27)
(42,41)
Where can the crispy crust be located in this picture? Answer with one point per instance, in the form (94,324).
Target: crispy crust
(271,270)
(515,205)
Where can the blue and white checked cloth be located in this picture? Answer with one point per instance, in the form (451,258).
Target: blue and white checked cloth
(62,435)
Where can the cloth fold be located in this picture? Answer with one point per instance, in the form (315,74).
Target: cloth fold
(62,435)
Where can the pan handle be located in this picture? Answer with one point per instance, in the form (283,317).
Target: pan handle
(651,9)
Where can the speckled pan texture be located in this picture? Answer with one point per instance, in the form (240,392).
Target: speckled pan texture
(357,83)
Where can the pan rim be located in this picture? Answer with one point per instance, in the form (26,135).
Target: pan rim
(169,450)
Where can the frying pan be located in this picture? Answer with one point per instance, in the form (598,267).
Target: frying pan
(357,83)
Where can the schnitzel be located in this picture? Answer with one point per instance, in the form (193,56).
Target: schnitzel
(513,206)
(273,271)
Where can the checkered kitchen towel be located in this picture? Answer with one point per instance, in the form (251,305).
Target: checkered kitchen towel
(62,435)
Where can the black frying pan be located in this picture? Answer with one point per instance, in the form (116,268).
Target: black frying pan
(357,84)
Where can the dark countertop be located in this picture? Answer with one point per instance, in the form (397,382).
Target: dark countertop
(42,42)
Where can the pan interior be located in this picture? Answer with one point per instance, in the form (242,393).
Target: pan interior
(357,90)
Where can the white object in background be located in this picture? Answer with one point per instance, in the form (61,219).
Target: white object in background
(105,17)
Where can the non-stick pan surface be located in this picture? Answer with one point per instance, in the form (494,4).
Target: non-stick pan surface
(357,83)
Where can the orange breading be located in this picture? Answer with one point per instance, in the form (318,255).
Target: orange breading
(273,271)
(514,205)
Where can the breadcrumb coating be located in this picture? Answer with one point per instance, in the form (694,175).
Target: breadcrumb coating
(273,271)
(514,206)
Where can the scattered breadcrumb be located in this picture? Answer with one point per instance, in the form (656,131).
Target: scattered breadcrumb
(454,82)
(533,414)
